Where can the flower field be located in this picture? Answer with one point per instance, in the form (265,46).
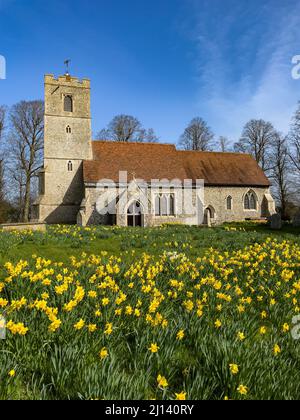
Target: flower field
(169,313)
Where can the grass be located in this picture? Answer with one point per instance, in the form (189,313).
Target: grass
(61,244)
(85,305)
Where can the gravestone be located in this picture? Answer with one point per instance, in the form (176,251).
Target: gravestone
(276,222)
(296,220)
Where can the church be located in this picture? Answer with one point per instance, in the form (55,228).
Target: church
(136,184)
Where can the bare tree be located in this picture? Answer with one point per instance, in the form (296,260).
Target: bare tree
(295,142)
(2,120)
(280,171)
(149,136)
(125,128)
(16,181)
(224,144)
(26,148)
(197,136)
(2,125)
(257,138)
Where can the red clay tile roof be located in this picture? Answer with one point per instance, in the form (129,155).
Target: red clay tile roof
(146,160)
(234,169)
(149,161)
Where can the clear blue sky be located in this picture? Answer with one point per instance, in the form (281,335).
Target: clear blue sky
(164,61)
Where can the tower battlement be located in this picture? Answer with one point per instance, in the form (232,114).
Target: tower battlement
(67,80)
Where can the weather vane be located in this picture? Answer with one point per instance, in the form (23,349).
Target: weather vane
(67,64)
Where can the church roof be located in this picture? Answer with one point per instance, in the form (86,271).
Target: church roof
(149,161)
(232,169)
(146,161)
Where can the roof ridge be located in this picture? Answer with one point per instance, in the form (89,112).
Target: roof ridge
(173,145)
(135,142)
(214,152)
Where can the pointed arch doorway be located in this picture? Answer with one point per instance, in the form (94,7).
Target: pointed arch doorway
(209,216)
(134,215)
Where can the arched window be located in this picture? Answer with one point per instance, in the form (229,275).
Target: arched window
(164,206)
(68,104)
(70,166)
(229,203)
(250,201)
(172,205)
(68,129)
(157,205)
(247,202)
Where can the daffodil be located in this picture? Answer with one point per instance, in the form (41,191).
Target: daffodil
(285,328)
(181,396)
(180,335)
(108,328)
(105,301)
(162,382)
(264,315)
(92,328)
(263,331)
(103,354)
(153,348)
(277,350)
(79,325)
(234,368)
(55,325)
(241,336)
(218,324)
(242,390)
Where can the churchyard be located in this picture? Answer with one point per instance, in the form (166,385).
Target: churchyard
(166,313)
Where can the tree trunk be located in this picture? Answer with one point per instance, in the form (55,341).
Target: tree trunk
(27,201)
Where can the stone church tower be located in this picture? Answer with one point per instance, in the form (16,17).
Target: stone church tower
(67,142)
